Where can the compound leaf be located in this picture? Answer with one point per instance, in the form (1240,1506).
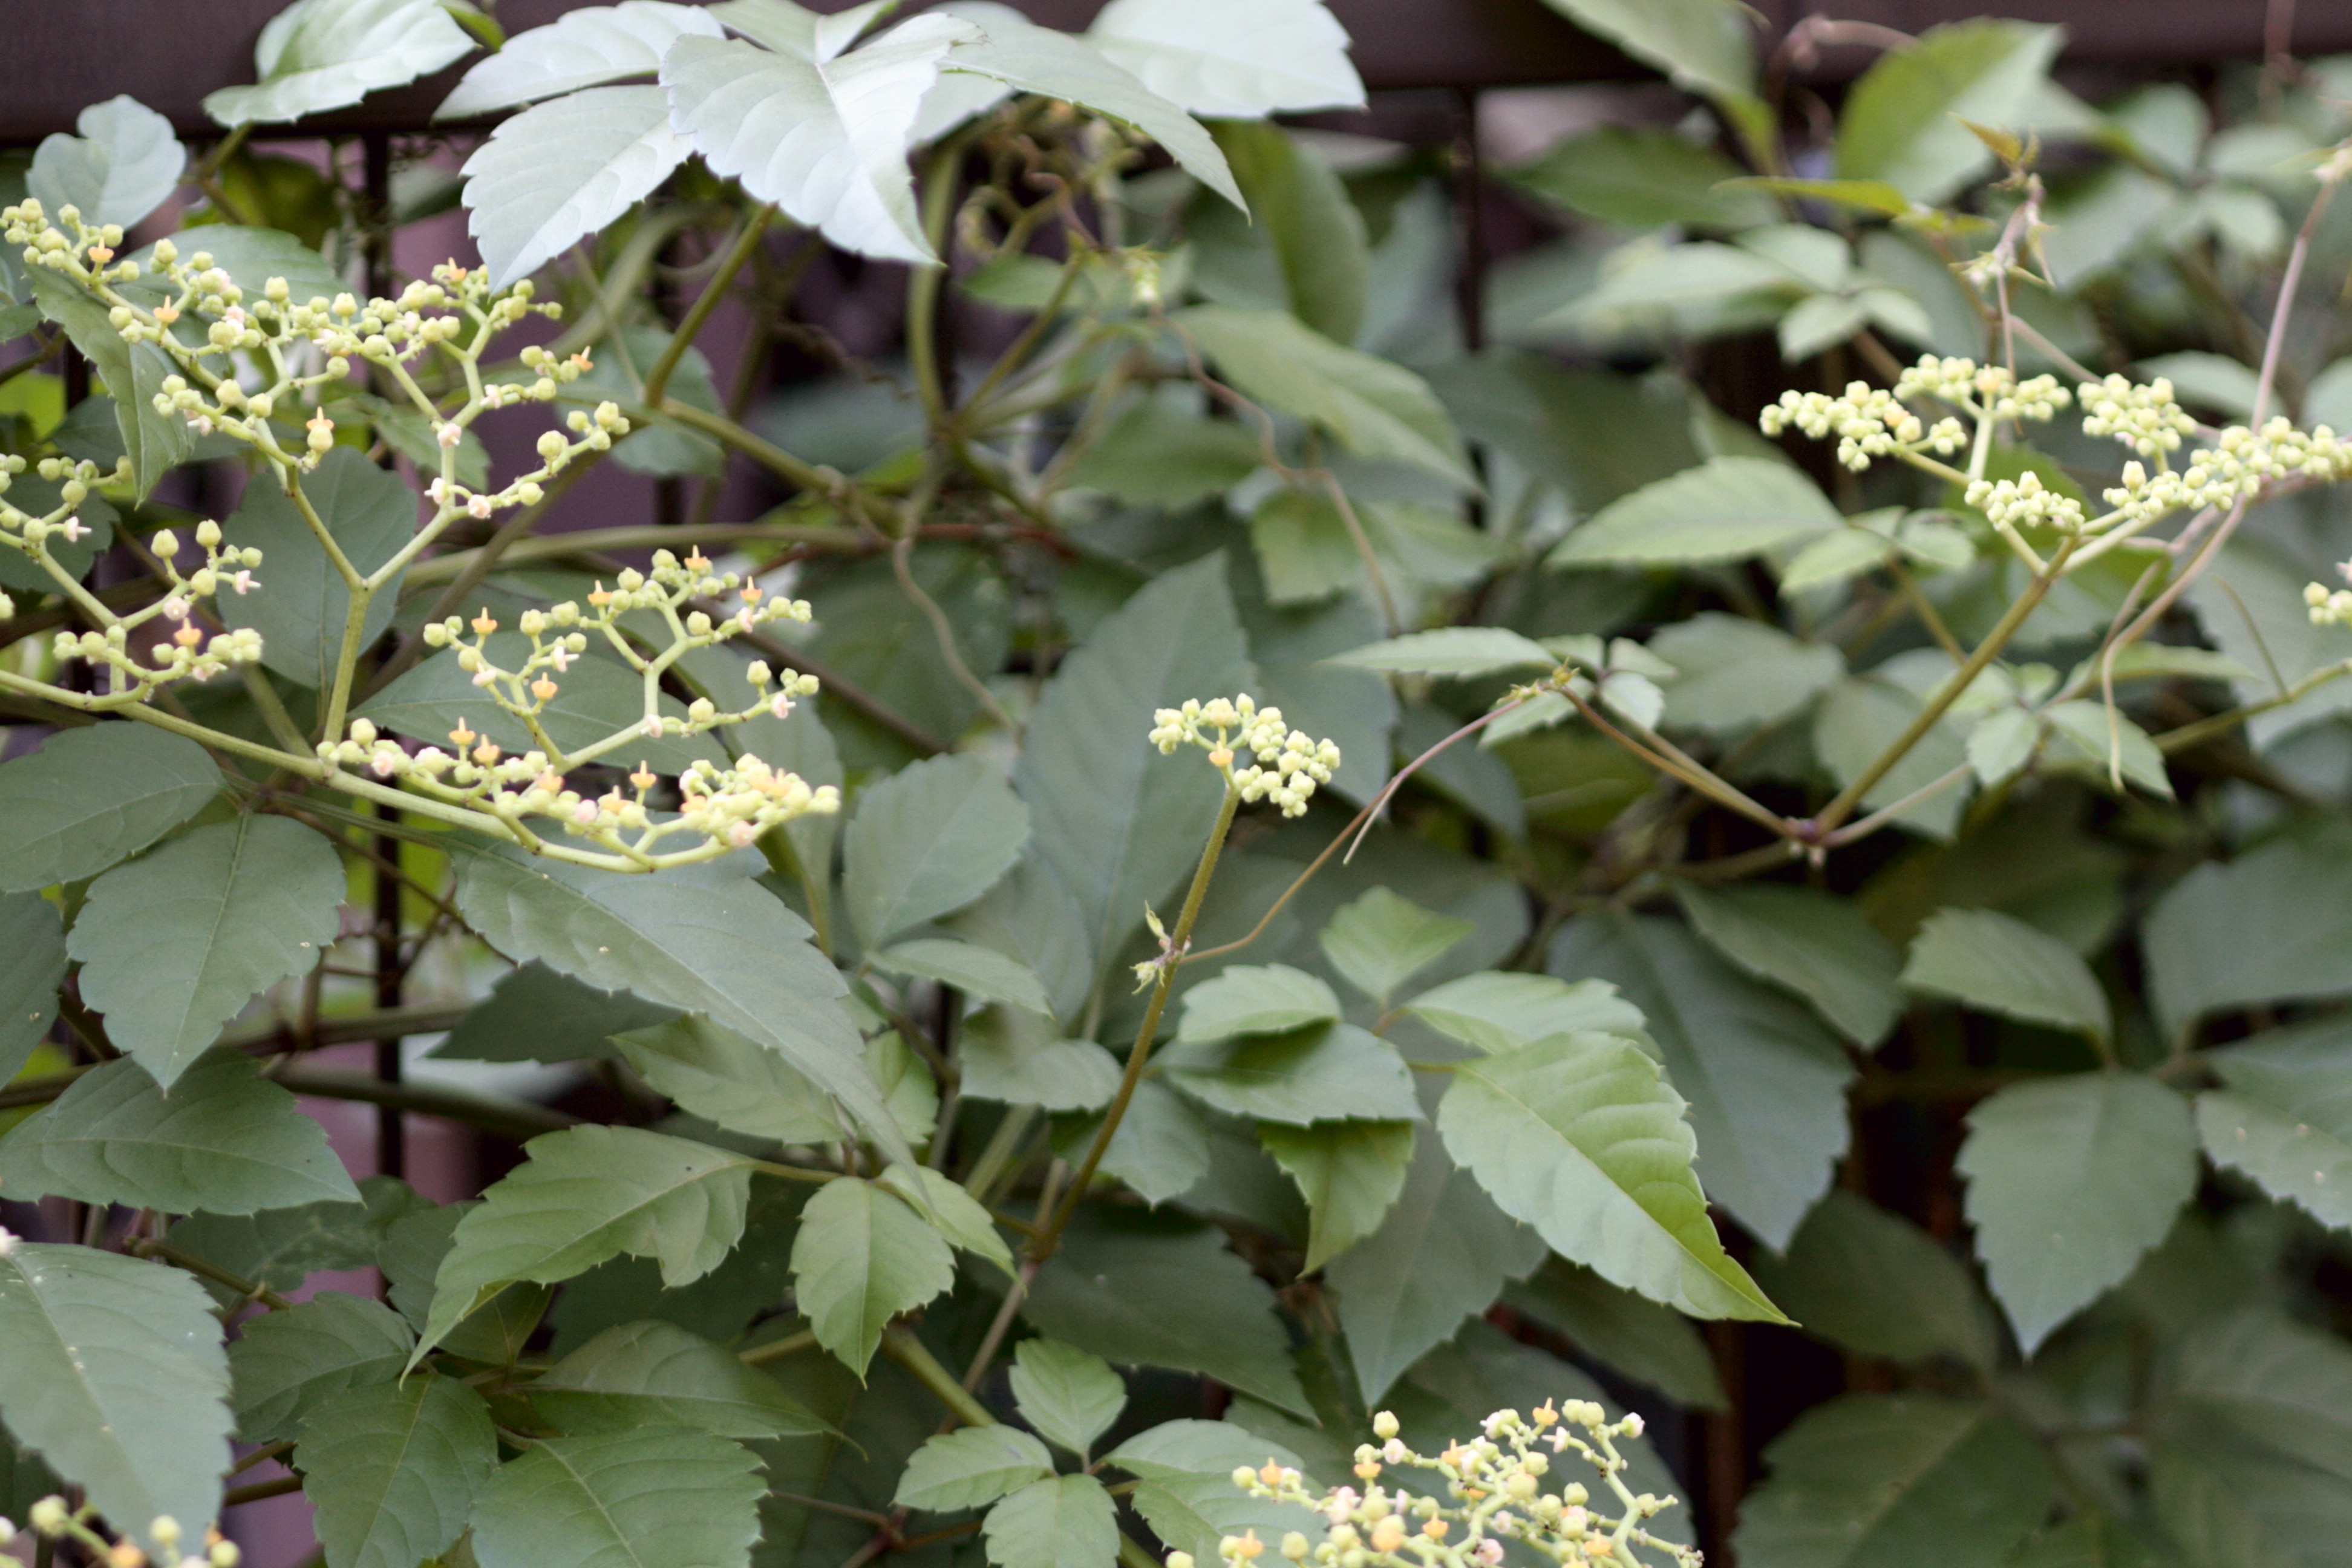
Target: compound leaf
(1232,60)
(563,169)
(1256,999)
(1069,1395)
(323,54)
(864,1256)
(587,48)
(94,796)
(1350,1172)
(393,1470)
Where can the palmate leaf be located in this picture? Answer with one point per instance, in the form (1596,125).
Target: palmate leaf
(1068,1396)
(393,1470)
(657,1373)
(585,1194)
(1764,1080)
(1232,60)
(730,1080)
(563,169)
(1579,1137)
(862,1256)
(971,1467)
(324,54)
(655,1498)
(1325,1072)
(1350,1172)
(32,964)
(111,1369)
(286,1363)
(1442,1254)
(121,168)
(587,48)
(1891,1481)
(302,604)
(824,138)
(1068,1521)
(1256,999)
(929,840)
(174,944)
(1121,824)
(225,1140)
(2070,1180)
(706,939)
(1383,938)
(93,796)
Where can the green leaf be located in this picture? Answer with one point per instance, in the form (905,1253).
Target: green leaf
(1303,210)
(1858,720)
(1070,1396)
(1876,1480)
(1120,822)
(301,604)
(1861,195)
(125,163)
(1875,1284)
(1494,1010)
(657,1498)
(111,1369)
(1724,508)
(1256,999)
(1811,942)
(1636,1337)
(862,1257)
(1579,1137)
(824,138)
(1734,674)
(2000,964)
(2284,1116)
(1902,120)
(2271,925)
(174,944)
(1642,177)
(971,1467)
(705,939)
(535,1015)
(1374,406)
(92,796)
(32,966)
(734,1082)
(1068,1521)
(587,1194)
(1350,1172)
(2087,742)
(562,171)
(393,1471)
(586,48)
(284,1364)
(978,972)
(155,443)
(1142,1289)
(1765,1082)
(1054,65)
(281,1248)
(1324,1072)
(1833,558)
(1704,45)
(1160,1149)
(635,1375)
(1186,1491)
(323,54)
(930,840)
(2271,1388)
(1019,1060)
(954,1213)
(1460,652)
(1443,1254)
(2070,1180)
(250,255)
(1382,939)
(224,1140)
(1233,59)
(1163,452)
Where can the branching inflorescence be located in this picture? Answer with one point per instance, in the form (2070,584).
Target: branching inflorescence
(1500,1490)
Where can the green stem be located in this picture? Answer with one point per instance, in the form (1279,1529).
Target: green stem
(777,1350)
(923,282)
(2219,724)
(178,1260)
(900,1344)
(698,315)
(1050,1236)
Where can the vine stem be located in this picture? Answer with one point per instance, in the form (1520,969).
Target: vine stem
(698,315)
(1049,1238)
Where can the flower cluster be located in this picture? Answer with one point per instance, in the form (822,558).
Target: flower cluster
(189,653)
(31,532)
(1290,762)
(559,637)
(2142,417)
(2330,608)
(2026,502)
(1987,391)
(2236,467)
(51,1518)
(1868,422)
(724,808)
(1500,1492)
